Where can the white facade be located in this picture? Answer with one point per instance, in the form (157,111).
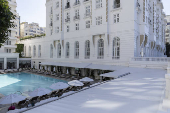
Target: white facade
(167,36)
(100,31)
(7,51)
(31,29)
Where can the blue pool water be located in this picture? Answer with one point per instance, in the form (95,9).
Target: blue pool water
(23,82)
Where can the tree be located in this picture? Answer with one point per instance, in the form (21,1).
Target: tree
(19,49)
(5,20)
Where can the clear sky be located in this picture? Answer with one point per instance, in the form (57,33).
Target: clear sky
(35,10)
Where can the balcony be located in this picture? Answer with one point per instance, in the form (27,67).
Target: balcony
(77,17)
(67,20)
(51,24)
(87,15)
(86,1)
(67,6)
(116,6)
(10,46)
(77,3)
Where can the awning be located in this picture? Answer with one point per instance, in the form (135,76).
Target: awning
(65,64)
(104,67)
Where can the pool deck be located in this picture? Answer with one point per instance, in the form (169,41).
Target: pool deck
(140,92)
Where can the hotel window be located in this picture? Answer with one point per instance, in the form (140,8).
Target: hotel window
(34,51)
(57,4)
(51,51)
(88,24)
(8,50)
(77,13)
(77,27)
(67,50)
(68,28)
(57,16)
(116,48)
(87,49)
(99,20)
(116,18)
(116,4)
(87,11)
(30,51)
(51,10)
(98,4)
(100,49)
(57,29)
(77,49)
(39,51)
(59,51)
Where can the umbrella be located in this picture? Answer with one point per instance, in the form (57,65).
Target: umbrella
(54,69)
(86,79)
(12,98)
(59,85)
(67,71)
(48,68)
(39,92)
(75,83)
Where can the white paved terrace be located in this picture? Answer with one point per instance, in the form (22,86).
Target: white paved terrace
(139,92)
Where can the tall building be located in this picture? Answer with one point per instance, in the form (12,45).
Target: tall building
(167,36)
(100,31)
(31,29)
(8,58)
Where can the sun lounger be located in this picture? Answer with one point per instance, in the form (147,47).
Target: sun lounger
(59,93)
(43,97)
(22,104)
(34,100)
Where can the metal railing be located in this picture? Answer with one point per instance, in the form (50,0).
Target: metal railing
(87,15)
(115,6)
(77,17)
(157,59)
(67,20)
(77,3)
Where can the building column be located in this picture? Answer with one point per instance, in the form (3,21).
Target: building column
(17,63)
(5,63)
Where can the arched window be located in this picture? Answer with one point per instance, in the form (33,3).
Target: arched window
(29,51)
(51,51)
(100,49)
(59,51)
(67,50)
(39,51)
(77,49)
(116,48)
(34,51)
(87,49)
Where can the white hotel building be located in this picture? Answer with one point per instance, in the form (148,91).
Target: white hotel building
(99,31)
(8,58)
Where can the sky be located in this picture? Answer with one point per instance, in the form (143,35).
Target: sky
(35,10)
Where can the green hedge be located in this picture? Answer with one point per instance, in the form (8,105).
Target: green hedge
(30,37)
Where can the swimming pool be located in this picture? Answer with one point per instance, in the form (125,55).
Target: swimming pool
(23,82)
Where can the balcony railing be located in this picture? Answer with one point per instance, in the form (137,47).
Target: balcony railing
(87,57)
(51,24)
(115,6)
(67,6)
(77,17)
(156,59)
(87,15)
(67,20)
(86,0)
(100,57)
(77,3)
